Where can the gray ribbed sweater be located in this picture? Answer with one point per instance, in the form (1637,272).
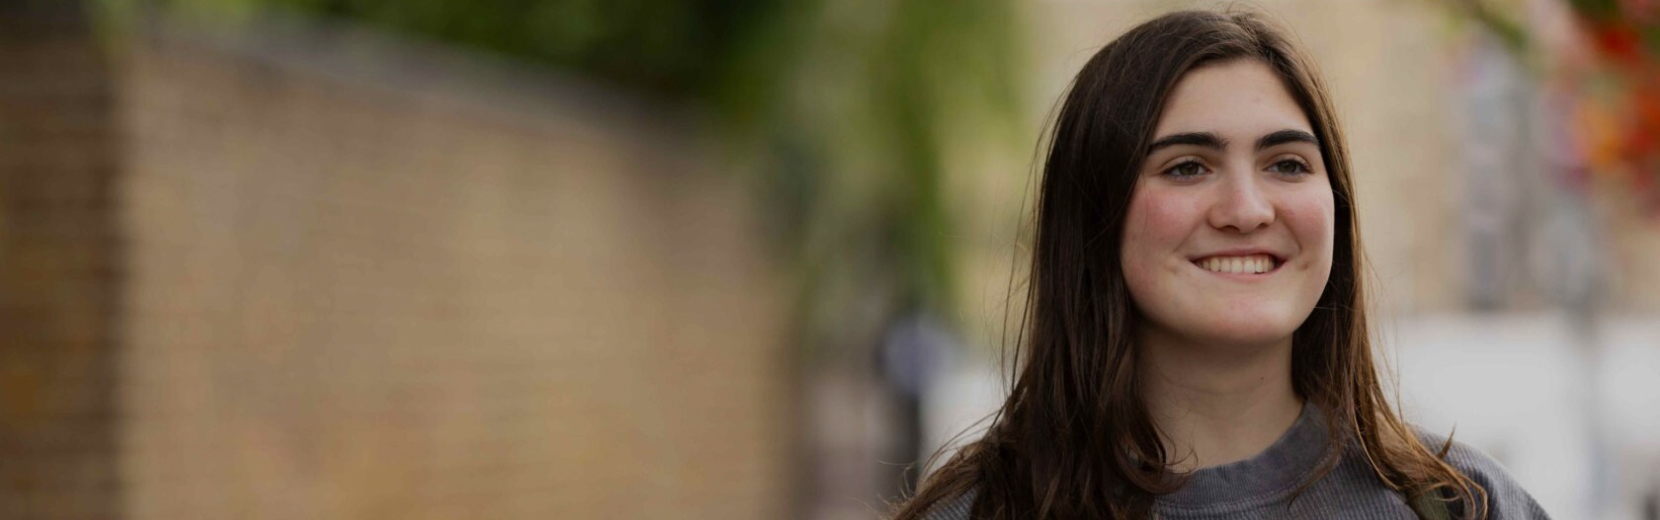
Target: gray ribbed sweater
(1261,487)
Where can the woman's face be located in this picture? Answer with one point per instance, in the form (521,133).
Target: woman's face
(1228,240)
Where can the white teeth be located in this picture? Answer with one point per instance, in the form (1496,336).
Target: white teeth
(1238,264)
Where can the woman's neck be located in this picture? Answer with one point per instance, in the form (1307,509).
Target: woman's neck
(1217,404)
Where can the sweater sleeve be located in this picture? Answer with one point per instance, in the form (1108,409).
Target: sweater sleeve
(1506,500)
(957,508)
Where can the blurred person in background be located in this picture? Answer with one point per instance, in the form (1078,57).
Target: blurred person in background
(1196,343)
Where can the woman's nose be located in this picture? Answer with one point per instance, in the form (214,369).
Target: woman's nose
(1241,205)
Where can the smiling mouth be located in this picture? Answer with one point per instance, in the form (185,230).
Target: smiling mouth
(1249,264)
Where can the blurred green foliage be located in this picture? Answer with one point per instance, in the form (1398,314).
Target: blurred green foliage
(662,46)
(885,97)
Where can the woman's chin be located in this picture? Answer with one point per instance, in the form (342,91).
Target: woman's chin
(1246,332)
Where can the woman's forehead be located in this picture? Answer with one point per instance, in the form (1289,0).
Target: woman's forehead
(1238,100)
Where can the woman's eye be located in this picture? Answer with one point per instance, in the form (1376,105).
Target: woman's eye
(1185,170)
(1289,167)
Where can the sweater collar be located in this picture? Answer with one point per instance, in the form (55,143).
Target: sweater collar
(1261,479)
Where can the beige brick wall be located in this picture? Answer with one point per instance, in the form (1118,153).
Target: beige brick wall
(371,283)
(58,268)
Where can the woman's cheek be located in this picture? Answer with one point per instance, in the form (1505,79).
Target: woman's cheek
(1169,216)
(1312,217)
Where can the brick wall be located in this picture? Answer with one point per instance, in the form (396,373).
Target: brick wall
(374,281)
(302,273)
(59,266)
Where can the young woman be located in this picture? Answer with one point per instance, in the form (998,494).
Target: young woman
(1195,343)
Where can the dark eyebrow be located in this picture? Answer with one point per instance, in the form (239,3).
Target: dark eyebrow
(1286,136)
(1205,139)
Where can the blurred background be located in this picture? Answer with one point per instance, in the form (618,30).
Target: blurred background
(363,259)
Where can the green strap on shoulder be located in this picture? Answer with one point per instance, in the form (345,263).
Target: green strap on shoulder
(1429,507)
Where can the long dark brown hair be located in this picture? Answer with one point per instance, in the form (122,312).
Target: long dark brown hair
(1074,440)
